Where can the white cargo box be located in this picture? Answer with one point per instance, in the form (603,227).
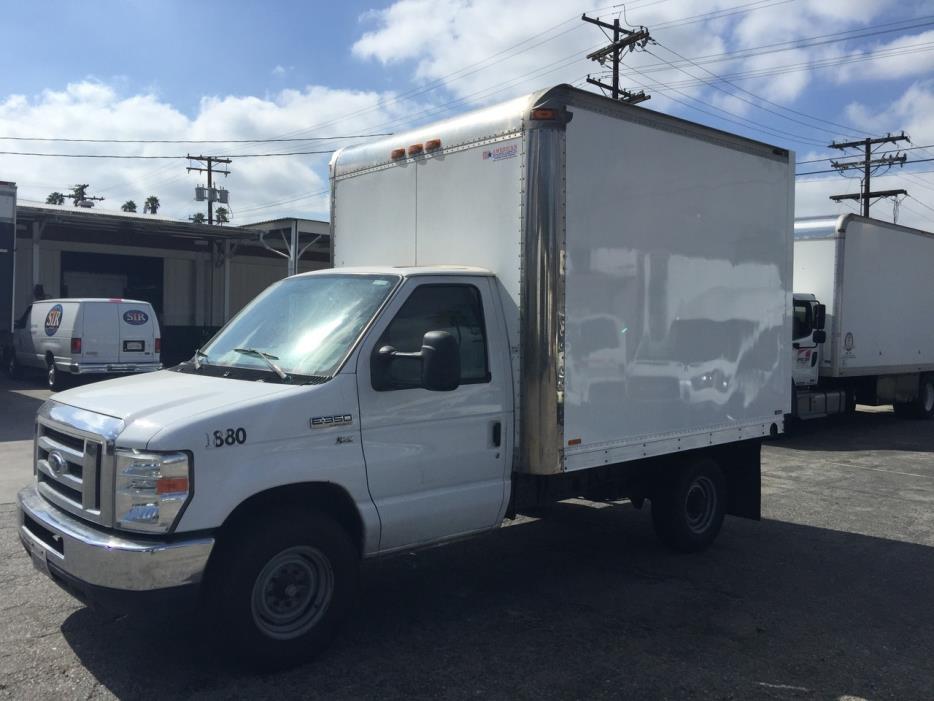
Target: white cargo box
(875,279)
(644,261)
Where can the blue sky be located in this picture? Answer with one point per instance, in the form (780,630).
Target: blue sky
(174,70)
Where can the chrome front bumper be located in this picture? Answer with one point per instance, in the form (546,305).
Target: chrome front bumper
(58,541)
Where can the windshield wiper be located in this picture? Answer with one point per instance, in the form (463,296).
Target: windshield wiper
(283,375)
(197,359)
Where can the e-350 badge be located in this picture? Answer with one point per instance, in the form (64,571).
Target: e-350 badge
(325,421)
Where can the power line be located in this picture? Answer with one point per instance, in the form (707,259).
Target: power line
(834,170)
(831,158)
(142,157)
(187,141)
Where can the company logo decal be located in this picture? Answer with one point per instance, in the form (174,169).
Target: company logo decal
(501,152)
(848,341)
(135,317)
(53,320)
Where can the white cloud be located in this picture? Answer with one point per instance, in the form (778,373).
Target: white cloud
(278,70)
(93,109)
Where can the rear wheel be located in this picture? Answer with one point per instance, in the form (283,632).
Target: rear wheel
(924,404)
(54,379)
(281,587)
(688,507)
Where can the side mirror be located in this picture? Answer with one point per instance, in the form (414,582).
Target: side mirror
(436,367)
(441,362)
(820,317)
(820,336)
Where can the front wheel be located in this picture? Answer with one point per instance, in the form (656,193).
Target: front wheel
(13,369)
(688,507)
(281,588)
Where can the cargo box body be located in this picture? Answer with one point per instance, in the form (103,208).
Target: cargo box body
(644,265)
(871,275)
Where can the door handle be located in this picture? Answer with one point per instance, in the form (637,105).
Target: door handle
(497,434)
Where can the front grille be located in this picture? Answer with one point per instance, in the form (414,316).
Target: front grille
(69,463)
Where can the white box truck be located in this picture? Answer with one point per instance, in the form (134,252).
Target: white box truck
(557,296)
(864,280)
(66,338)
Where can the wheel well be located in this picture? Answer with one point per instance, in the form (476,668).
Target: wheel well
(324,497)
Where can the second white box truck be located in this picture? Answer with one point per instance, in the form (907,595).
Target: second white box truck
(864,280)
(557,296)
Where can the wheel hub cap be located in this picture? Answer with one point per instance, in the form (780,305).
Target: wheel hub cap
(292,592)
(701,504)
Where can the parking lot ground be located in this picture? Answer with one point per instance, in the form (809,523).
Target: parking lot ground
(830,596)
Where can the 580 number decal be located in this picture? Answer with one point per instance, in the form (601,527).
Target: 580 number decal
(230,436)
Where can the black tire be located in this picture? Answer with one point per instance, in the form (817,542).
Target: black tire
(53,378)
(924,405)
(688,507)
(13,369)
(280,588)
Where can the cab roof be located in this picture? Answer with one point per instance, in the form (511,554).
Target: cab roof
(404,271)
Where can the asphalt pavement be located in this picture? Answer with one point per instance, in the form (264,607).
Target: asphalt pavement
(829,597)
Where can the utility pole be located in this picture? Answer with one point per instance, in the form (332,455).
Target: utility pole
(623,39)
(209,161)
(868,164)
(79,195)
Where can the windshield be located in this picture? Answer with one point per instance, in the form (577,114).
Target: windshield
(305,324)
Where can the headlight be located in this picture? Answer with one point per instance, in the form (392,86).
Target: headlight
(150,490)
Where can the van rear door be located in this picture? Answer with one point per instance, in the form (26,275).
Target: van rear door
(137,333)
(99,332)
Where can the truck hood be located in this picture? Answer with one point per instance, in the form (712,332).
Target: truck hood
(150,402)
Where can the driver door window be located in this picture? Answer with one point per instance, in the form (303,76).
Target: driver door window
(456,309)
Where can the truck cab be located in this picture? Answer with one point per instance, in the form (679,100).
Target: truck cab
(808,338)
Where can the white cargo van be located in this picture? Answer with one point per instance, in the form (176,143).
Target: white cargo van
(69,337)
(545,299)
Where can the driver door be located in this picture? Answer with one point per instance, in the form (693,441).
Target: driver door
(436,462)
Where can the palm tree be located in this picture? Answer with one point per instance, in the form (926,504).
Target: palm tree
(197,218)
(222,215)
(151,205)
(128,206)
(55,198)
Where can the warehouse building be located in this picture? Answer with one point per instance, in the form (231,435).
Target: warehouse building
(195,276)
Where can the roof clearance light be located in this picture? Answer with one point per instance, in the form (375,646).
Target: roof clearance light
(543,114)
(397,153)
(432,144)
(416,149)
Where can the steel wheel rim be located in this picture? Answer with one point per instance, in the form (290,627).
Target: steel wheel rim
(700,504)
(292,592)
(928,398)
(52,375)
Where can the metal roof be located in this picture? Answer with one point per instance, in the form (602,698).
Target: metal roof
(128,222)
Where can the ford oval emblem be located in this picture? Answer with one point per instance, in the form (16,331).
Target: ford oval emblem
(57,463)
(136,317)
(53,320)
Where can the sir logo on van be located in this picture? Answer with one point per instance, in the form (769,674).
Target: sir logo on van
(53,320)
(135,317)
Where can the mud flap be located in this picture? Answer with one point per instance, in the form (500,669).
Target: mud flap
(742,467)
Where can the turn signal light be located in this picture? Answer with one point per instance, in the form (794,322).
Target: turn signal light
(397,153)
(75,345)
(170,485)
(416,149)
(543,114)
(432,144)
